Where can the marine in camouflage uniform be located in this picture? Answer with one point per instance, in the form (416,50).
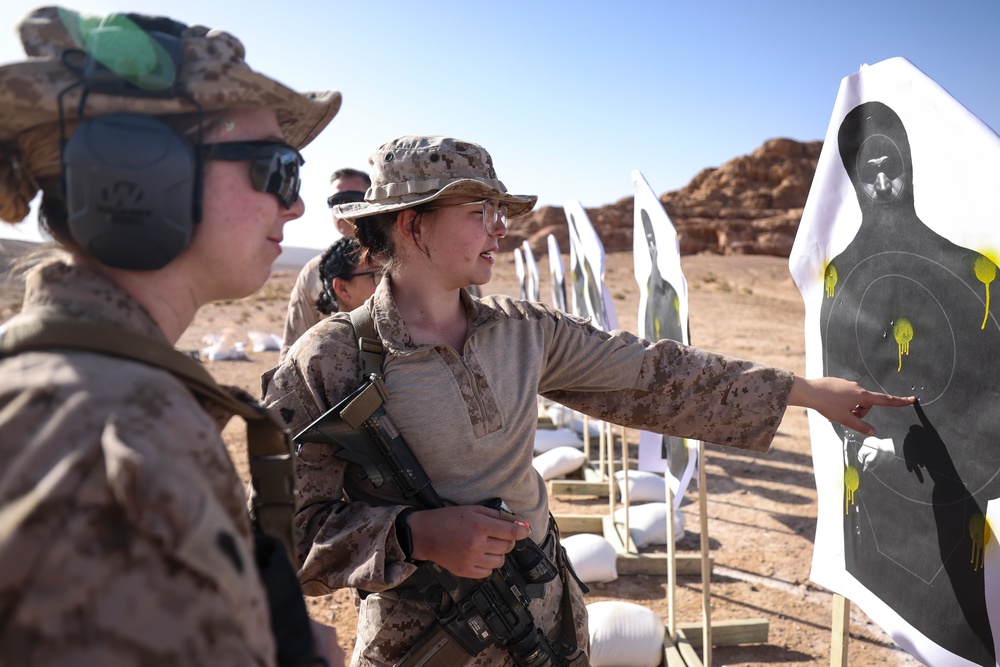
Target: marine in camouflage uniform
(126,537)
(470,414)
(303,311)
(470,418)
(124,532)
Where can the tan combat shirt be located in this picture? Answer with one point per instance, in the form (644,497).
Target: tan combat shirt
(470,417)
(124,536)
(302,311)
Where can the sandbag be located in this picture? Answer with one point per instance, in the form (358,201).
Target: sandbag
(558,462)
(594,558)
(643,486)
(549,438)
(624,634)
(647,524)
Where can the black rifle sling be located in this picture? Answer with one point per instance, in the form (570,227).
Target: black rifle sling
(272,465)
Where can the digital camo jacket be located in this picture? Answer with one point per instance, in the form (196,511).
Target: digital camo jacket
(124,535)
(470,418)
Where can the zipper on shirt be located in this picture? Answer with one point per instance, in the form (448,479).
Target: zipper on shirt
(474,386)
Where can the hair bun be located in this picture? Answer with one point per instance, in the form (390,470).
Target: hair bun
(17,186)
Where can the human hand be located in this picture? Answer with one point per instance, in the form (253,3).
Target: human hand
(874,450)
(842,401)
(467,540)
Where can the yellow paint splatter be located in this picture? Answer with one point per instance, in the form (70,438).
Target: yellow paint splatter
(830,279)
(851,482)
(981,533)
(902,331)
(656,328)
(986,271)
(677,308)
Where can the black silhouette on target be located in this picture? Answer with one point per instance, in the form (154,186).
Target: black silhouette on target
(908,312)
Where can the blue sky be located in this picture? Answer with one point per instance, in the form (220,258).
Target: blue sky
(569,97)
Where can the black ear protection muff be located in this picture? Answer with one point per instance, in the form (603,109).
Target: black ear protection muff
(132,182)
(130,190)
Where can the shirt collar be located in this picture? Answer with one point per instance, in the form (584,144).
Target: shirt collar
(392,329)
(63,290)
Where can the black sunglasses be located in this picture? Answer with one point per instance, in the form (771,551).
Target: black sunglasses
(274,166)
(345,197)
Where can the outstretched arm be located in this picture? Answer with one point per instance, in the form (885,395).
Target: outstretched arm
(842,401)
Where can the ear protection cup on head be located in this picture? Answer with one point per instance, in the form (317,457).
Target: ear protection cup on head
(130,185)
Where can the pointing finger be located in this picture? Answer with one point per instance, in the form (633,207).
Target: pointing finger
(889,401)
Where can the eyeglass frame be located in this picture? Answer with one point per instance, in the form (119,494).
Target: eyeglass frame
(499,216)
(262,174)
(373,273)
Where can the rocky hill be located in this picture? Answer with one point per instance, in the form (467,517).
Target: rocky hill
(750,205)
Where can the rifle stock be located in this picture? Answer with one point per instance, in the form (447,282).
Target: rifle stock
(359,424)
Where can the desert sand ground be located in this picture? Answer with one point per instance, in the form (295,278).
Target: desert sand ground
(761,508)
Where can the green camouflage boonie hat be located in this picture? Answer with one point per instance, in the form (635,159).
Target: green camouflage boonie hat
(414,170)
(212,72)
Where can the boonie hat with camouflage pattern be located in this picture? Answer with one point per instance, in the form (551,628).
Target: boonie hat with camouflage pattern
(414,170)
(212,72)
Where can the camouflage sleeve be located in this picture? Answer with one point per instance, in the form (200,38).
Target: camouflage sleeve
(338,543)
(131,507)
(665,387)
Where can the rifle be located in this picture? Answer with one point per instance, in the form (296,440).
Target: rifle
(496,610)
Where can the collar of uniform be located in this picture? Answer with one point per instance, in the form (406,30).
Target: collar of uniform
(79,293)
(391,328)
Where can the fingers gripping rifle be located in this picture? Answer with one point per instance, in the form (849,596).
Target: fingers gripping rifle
(496,611)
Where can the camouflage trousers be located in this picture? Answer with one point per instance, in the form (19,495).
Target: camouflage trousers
(388,626)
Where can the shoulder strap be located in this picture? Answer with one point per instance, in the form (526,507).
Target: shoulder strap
(272,467)
(371,352)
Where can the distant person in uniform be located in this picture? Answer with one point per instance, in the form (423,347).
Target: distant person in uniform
(347,278)
(462,376)
(124,532)
(346,186)
(907,310)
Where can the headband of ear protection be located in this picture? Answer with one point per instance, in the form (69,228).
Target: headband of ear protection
(132,182)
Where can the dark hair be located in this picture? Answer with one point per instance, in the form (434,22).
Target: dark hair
(372,233)
(347,172)
(340,260)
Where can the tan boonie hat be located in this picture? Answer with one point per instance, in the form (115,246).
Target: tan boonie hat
(414,170)
(212,72)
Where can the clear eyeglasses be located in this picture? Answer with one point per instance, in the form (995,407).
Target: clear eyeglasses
(494,213)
